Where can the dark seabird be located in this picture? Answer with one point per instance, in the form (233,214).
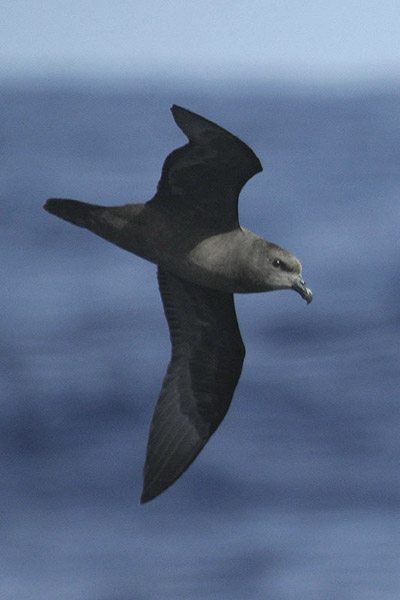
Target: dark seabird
(191,231)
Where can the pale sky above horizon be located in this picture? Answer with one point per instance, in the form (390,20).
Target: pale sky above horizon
(294,39)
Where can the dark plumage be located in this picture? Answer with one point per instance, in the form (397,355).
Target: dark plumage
(190,229)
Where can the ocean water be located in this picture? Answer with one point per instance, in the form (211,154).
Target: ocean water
(297,495)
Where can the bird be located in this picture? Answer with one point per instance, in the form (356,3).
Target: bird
(190,229)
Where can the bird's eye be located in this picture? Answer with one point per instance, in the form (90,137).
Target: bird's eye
(280,264)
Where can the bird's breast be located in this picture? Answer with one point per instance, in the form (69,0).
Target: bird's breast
(227,262)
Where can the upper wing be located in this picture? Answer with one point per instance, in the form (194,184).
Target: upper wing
(206,362)
(201,181)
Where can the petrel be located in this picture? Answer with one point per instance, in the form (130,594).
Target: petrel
(191,231)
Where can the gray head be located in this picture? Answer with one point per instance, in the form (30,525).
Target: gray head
(282,270)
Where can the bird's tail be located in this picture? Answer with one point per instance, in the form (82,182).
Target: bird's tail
(109,222)
(81,214)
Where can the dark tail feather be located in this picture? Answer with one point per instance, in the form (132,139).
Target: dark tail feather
(108,222)
(81,214)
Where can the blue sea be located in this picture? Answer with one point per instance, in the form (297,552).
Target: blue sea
(297,495)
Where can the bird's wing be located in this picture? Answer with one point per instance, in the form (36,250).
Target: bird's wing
(206,362)
(201,181)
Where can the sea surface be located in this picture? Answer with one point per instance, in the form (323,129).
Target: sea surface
(297,495)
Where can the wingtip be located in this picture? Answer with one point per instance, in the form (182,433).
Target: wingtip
(176,108)
(148,494)
(202,130)
(179,113)
(144,500)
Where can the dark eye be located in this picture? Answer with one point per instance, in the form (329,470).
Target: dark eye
(280,264)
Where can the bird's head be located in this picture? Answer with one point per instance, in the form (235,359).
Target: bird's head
(284,272)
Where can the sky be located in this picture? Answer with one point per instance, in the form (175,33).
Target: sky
(223,39)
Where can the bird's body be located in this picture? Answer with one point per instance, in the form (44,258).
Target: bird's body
(190,229)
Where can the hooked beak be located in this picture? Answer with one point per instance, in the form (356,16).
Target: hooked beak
(299,286)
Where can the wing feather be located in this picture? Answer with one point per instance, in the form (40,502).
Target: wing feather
(206,362)
(201,181)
